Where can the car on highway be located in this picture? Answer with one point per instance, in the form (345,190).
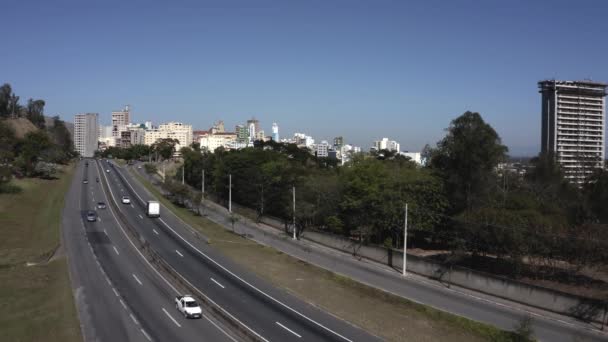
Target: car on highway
(91,216)
(97,179)
(101,205)
(126,200)
(85,181)
(188,307)
(107,170)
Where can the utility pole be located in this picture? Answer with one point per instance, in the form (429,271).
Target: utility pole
(203,184)
(294,212)
(183,172)
(405,244)
(230,193)
(164,176)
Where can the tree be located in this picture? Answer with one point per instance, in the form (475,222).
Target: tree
(30,150)
(165,147)
(596,194)
(466,159)
(35,112)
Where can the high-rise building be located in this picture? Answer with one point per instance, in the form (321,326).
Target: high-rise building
(86,132)
(256,124)
(242,134)
(572,125)
(275,132)
(120,119)
(338,142)
(251,130)
(322,149)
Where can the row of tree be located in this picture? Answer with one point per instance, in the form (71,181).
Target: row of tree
(37,152)
(460,201)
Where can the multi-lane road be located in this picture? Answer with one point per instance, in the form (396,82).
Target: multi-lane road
(122,297)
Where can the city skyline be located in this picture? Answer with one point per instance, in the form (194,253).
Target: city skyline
(393,70)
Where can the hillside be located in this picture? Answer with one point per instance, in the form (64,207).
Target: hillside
(21,126)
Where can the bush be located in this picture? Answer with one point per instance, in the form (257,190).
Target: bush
(8,188)
(150,168)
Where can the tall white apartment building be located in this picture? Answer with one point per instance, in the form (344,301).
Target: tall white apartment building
(172,130)
(573,119)
(211,141)
(86,133)
(120,119)
(322,149)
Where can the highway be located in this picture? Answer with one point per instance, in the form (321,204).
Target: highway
(119,297)
(480,308)
(269,313)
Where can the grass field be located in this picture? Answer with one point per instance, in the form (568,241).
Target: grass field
(36,301)
(385,315)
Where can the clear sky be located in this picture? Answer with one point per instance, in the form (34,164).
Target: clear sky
(361,69)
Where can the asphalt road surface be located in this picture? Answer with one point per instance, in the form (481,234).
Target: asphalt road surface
(119,297)
(268,312)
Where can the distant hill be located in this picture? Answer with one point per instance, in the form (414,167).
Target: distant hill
(21,126)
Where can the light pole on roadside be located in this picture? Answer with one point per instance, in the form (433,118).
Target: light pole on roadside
(203,184)
(183,172)
(294,212)
(405,243)
(230,193)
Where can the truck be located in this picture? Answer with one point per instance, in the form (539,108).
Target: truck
(188,307)
(153,209)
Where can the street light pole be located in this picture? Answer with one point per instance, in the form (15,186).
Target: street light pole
(405,244)
(183,172)
(230,193)
(294,212)
(203,185)
(164,172)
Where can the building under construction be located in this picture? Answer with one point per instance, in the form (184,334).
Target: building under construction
(573,115)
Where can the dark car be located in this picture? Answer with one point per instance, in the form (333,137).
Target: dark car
(97,179)
(91,216)
(101,205)
(85,181)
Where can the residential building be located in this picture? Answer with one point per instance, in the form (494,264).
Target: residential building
(86,131)
(322,149)
(275,132)
(414,156)
(338,143)
(211,141)
(303,140)
(256,124)
(242,133)
(218,127)
(120,119)
(148,125)
(172,130)
(572,125)
(133,135)
(386,144)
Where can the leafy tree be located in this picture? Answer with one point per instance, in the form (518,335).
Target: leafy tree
(165,147)
(9,102)
(30,149)
(466,159)
(35,112)
(596,193)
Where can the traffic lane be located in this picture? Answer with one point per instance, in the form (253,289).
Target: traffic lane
(331,328)
(330,324)
(448,300)
(101,318)
(151,296)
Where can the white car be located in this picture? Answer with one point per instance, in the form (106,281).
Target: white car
(188,307)
(126,200)
(108,170)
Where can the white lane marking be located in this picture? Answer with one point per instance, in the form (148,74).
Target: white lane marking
(218,284)
(145,334)
(178,253)
(154,230)
(115,250)
(105,232)
(291,331)
(134,276)
(141,217)
(134,320)
(128,239)
(182,277)
(123,304)
(132,206)
(173,319)
(115,292)
(219,328)
(98,218)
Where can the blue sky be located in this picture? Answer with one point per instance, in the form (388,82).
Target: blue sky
(361,69)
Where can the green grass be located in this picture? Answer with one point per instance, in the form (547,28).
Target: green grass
(36,301)
(388,316)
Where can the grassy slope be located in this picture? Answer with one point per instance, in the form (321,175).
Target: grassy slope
(37,302)
(385,315)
